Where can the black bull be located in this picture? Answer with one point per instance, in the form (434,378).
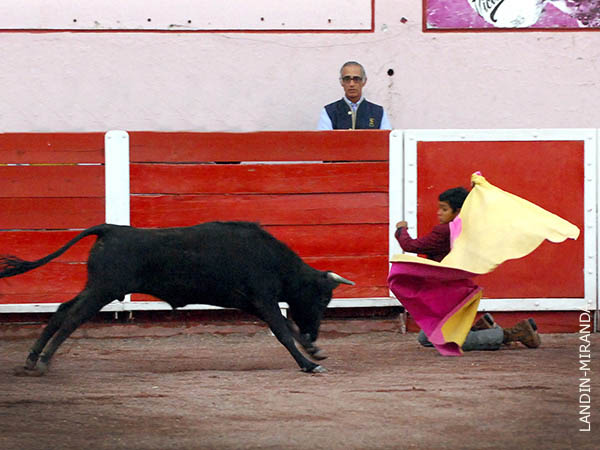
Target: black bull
(229,264)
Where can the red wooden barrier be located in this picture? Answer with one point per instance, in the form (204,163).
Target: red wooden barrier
(51,148)
(41,201)
(334,214)
(259,178)
(261,146)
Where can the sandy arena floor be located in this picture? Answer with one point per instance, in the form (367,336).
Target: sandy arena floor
(244,391)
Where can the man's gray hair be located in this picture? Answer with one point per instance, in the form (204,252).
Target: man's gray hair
(363,74)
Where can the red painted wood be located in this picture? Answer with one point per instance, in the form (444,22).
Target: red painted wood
(368,271)
(52,181)
(261,146)
(53,148)
(259,178)
(35,298)
(340,292)
(335,240)
(54,278)
(184,210)
(549,174)
(537,274)
(311,240)
(50,213)
(33,245)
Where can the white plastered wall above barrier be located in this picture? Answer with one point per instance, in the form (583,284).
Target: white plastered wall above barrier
(403,201)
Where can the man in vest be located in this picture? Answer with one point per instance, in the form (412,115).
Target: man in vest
(353,112)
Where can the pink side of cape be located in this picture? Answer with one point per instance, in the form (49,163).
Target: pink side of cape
(432,295)
(455,230)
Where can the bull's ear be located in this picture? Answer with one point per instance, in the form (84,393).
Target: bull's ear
(338,279)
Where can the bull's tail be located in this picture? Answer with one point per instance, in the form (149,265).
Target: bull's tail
(11,265)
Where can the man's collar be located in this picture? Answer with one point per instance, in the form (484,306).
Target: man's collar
(350,103)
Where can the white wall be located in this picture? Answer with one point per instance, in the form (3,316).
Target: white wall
(278,81)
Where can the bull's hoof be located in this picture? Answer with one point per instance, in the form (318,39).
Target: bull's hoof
(316,369)
(30,363)
(26,372)
(318,354)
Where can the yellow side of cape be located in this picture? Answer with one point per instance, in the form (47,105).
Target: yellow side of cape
(456,328)
(497,226)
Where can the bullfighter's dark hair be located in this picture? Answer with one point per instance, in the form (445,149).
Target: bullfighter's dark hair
(455,197)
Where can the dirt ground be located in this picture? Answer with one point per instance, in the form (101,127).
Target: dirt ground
(244,391)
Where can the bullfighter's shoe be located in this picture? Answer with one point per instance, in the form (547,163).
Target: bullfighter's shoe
(485,322)
(523,332)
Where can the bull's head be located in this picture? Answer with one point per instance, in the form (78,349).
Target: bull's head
(309,307)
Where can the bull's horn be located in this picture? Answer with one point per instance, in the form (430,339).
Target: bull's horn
(335,277)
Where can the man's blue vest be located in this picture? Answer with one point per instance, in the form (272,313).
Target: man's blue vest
(368,115)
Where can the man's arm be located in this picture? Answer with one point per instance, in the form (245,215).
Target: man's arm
(434,242)
(324,121)
(385,122)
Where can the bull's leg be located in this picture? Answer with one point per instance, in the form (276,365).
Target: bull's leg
(84,308)
(278,325)
(304,340)
(53,325)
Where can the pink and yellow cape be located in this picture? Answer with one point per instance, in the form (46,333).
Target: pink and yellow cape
(493,226)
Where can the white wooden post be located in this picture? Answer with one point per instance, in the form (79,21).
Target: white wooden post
(116,180)
(116,174)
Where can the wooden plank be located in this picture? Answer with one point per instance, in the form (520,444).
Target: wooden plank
(33,245)
(334,240)
(35,298)
(185,210)
(258,178)
(340,292)
(369,273)
(311,240)
(52,148)
(364,145)
(50,213)
(52,181)
(65,279)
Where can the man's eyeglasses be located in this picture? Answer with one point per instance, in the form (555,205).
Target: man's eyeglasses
(347,79)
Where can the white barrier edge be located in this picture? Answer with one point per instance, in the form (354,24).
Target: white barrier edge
(486,304)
